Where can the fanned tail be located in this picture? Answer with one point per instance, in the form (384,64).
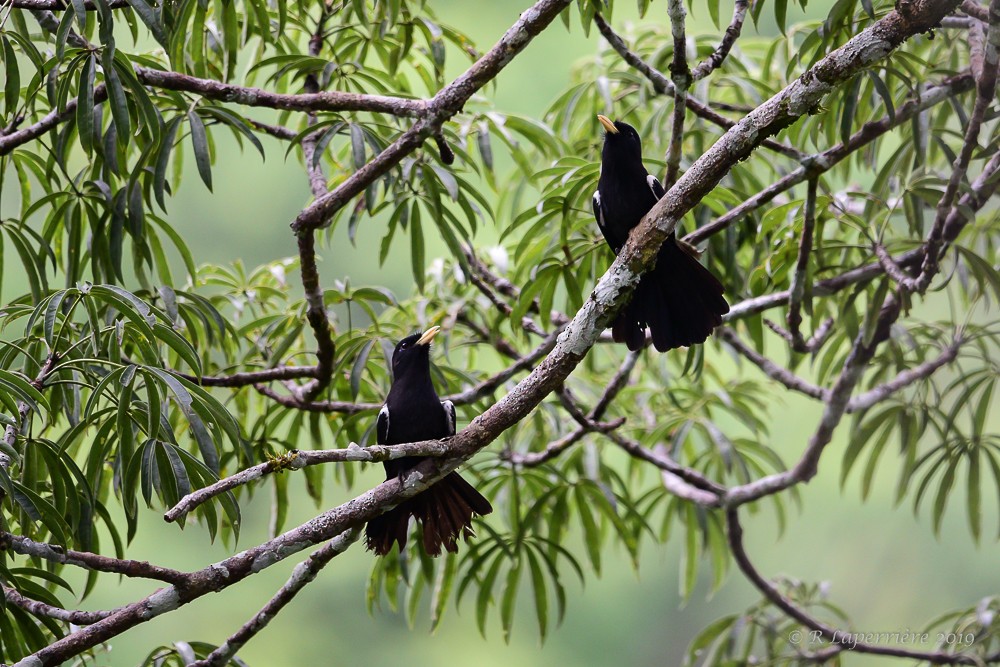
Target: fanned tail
(679,300)
(445,512)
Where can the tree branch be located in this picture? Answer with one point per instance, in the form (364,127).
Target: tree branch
(841,639)
(443,106)
(311,101)
(316,314)
(246,378)
(975,10)
(303,574)
(297,459)
(43,610)
(89,561)
(715,60)
(798,286)
(664,86)
(681,78)
(823,162)
(8,142)
(985,93)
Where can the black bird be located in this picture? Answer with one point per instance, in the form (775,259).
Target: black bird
(413,412)
(679,299)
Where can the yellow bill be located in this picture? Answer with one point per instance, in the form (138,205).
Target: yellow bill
(428,335)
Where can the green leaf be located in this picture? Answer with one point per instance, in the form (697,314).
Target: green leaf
(941,498)
(591,531)
(116,96)
(150,16)
(689,557)
(880,87)
(358,145)
(509,598)
(540,591)
(12,81)
(974,495)
(163,158)
(199,140)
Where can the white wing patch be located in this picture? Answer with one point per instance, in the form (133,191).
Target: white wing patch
(449,409)
(598,211)
(382,425)
(654,186)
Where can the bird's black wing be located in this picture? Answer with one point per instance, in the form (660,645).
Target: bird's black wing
(449,411)
(602,224)
(655,186)
(382,426)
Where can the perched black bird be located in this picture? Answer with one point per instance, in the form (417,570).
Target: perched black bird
(413,412)
(679,299)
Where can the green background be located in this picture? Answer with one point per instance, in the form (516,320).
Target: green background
(882,565)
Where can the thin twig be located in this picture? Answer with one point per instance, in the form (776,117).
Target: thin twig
(490,384)
(823,162)
(303,574)
(8,142)
(905,378)
(468,396)
(836,403)
(591,423)
(845,640)
(446,103)
(89,561)
(772,370)
(43,610)
(316,313)
(717,57)
(798,286)
(62,5)
(985,94)
(310,101)
(276,131)
(664,86)
(681,78)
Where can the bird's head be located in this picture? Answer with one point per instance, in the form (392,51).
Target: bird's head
(621,141)
(413,352)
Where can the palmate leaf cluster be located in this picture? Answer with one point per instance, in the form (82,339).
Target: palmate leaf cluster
(122,322)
